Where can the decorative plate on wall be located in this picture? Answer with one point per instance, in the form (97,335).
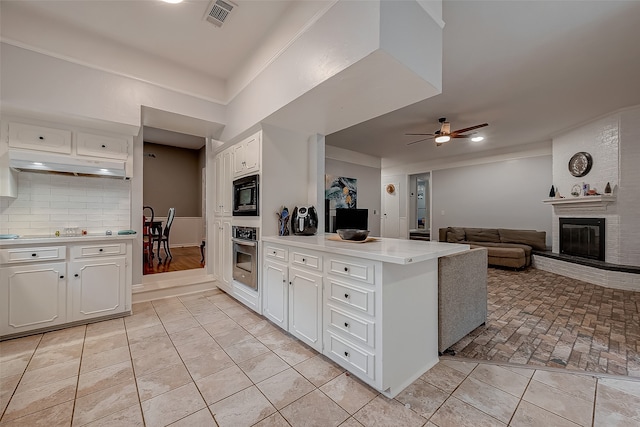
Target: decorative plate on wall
(391,188)
(580,164)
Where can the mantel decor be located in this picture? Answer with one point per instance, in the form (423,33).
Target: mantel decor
(580,164)
(596,203)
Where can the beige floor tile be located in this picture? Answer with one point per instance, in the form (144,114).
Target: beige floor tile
(7,386)
(352,422)
(207,364)
(172,405)
(140,307)
(246,350)
(163,380)
(104,329)
(146,334)
(63,337)
(464,367)
(102,343)
(614,400)
(443,377)
(92,381)
(223,384)
(244,408)
(223,301)
(140,322)
(387,412)
(529,415)
(261,327)
(456,413)
(33,378)
(294,352)
(211,317)
(348,392)
(264,366)
(560,403)
(19,347)
(490,400)
(202,418)
(627,386)
(55,354)
(314,410)
(501,378)
(181,324)
(220,326)
(129,417)
(422,398)
(192,349)
(319,370)
(105,402)
(275,420)
(243,316)
(40,398)
(232,336)
(581,386)
(55,416)
(525,372)
(14,366)
(146,348)
(190,335)
(285,387)
(153,362)
(91,362)
(276,338)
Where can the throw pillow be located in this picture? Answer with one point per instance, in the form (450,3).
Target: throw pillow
(482,235)
(455,234)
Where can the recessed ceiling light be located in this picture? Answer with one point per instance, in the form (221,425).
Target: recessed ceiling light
(172,1)
(37,164)
(477,138)
(104,170)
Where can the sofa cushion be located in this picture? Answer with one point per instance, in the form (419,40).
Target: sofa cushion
(482,235)
(491,245)
(455,234)
(535,239)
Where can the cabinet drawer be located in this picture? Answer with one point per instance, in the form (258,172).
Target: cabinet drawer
(39,138)
(354,328)
(102,146)
(307,260)
(355,297)
(352,268)
(47,253)
(275,252)
(359,360)
(98,250)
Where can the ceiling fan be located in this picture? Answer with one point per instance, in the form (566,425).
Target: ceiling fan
(444,134)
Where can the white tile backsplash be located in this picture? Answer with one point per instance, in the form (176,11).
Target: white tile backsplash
(47,203)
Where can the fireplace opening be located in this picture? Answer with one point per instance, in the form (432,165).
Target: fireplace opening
(582,237)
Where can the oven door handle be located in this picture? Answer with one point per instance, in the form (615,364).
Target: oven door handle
(245,242)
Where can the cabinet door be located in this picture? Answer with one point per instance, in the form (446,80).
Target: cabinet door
(217,249)
(252,154)
(238,158)
(275,293)
(226,249)
(97,287)
(218,192)
(39,138)
(305,307)
(102,146)
(227,184)
(32,297)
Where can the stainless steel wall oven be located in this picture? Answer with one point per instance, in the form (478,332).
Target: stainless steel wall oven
(245,256)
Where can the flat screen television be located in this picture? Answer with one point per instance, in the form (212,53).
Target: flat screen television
(352,218)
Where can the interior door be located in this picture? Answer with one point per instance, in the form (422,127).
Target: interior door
(391,209)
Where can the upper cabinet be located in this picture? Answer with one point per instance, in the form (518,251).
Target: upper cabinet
(39,138)
(246,156)
(102,146)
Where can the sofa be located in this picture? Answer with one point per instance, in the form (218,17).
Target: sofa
(462,295)
(506,247)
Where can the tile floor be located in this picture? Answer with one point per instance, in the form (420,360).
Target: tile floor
(543,319)
(205,360)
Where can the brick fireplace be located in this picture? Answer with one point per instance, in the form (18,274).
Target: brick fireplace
(582,237)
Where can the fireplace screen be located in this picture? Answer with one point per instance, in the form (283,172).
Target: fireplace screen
(582,237)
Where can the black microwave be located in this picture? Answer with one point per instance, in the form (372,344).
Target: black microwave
(245,196)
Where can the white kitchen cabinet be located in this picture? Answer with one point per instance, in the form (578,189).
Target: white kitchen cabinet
(32,296)
(223,197)
(222,263)
(97,287)
(110,147)
(292,292)
(32,137)
(246,156)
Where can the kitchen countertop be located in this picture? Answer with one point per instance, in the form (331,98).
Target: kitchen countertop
(52,240)
(397,251)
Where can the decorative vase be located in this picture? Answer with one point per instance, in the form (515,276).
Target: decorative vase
(552,192)
(607,189)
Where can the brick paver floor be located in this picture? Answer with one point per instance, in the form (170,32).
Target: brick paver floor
(540,318)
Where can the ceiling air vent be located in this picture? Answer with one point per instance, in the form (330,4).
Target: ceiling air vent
(219,11)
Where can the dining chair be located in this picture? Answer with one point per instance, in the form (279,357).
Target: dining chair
(164,237)
(148,233)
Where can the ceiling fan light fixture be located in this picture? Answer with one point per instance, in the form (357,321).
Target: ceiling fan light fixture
(172,1)
(442,139)
(477,138)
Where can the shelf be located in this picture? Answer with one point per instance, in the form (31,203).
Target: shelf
(585,202)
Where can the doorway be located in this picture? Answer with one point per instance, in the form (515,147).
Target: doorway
(420,206)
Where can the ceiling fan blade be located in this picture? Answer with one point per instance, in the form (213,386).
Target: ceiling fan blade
(469,128)
(419,134)
(420,140)
(459,136)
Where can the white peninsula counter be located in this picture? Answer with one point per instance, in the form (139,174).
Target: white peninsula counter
(371,307)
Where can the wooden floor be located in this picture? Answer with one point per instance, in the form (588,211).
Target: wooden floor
(186,258)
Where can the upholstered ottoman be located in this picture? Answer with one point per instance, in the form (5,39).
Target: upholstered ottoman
(506,257)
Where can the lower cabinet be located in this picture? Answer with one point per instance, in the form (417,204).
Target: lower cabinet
(97,287)
(275,293)
(222,254)
(32,296)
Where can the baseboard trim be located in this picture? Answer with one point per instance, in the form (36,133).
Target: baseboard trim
(172,287)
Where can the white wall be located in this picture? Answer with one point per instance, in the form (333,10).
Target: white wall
(502,194)
(629,191)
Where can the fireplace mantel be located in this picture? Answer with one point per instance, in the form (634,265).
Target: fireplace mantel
(598,203)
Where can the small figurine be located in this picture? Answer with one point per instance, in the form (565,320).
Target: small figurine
(607,189)
(552,193)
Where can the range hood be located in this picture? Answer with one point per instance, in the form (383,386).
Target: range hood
(32,161)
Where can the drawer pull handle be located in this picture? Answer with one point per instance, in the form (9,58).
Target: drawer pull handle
(76,275)
(62,277)
(34,254)
(101,249)
(274,252)
(346,325)
(346,295)
(346,354)
(41,138)
(304,260)
(104,146)
(346,269)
